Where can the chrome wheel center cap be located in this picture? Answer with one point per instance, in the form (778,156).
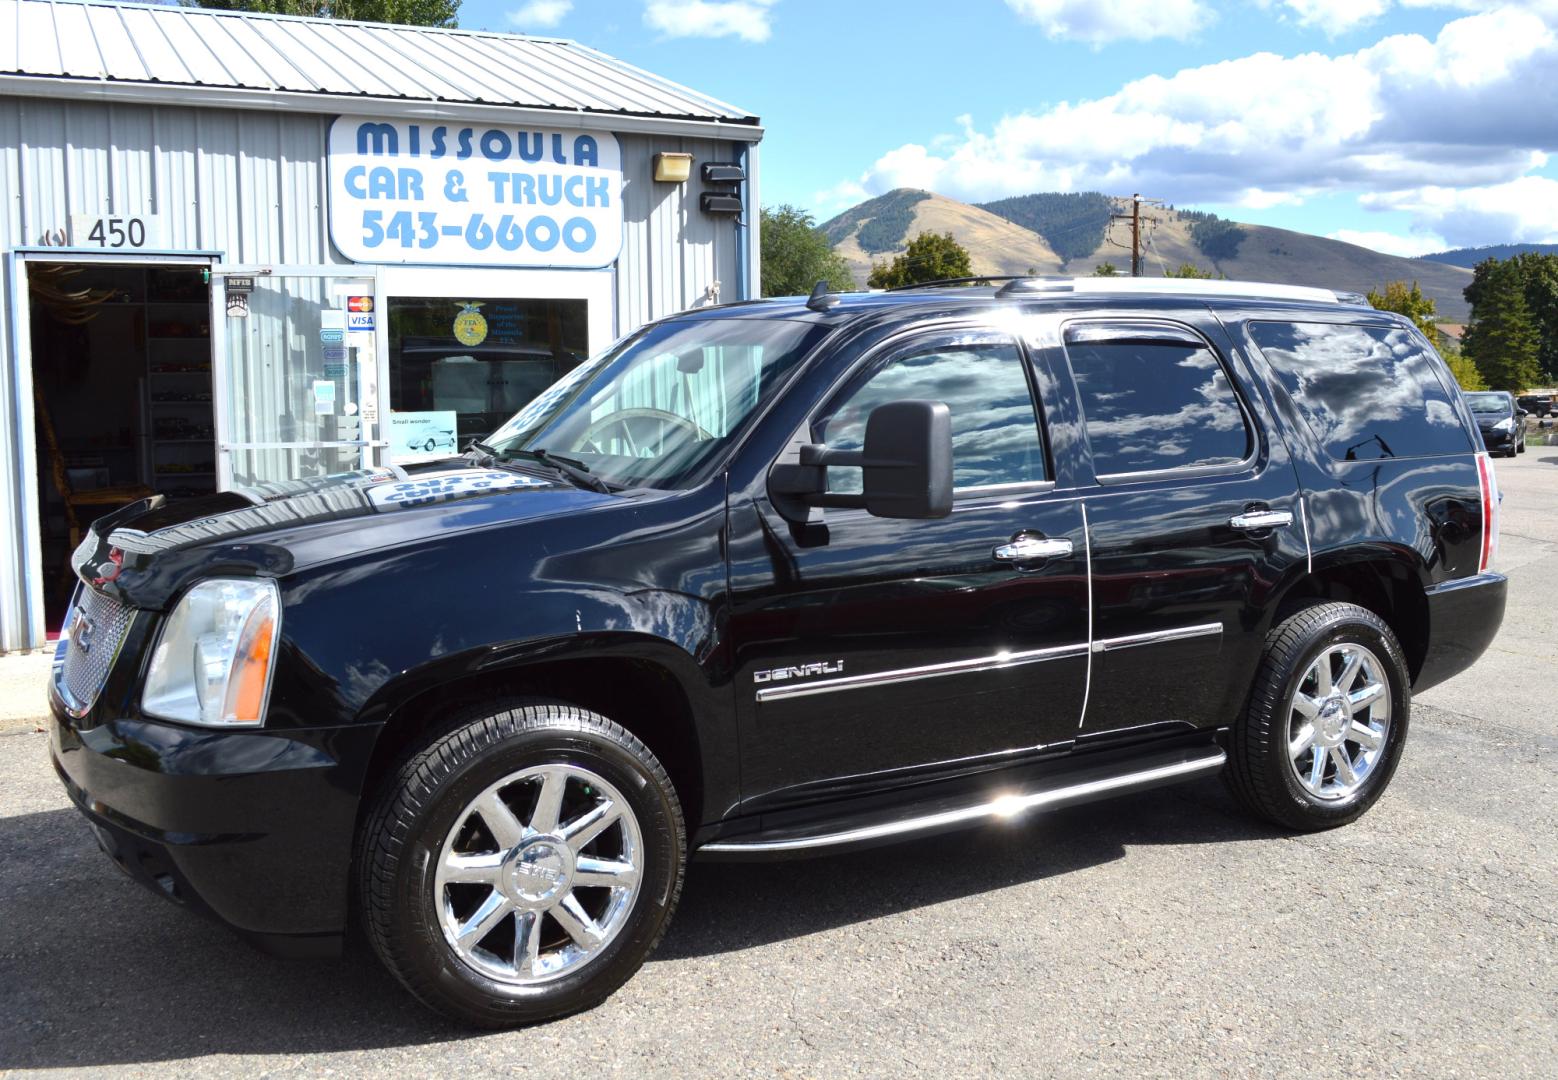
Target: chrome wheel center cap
(539,872)
(1332,723)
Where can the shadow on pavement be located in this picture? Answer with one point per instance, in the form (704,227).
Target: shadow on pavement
(94,970)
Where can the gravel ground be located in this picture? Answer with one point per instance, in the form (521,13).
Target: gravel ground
(1160,935)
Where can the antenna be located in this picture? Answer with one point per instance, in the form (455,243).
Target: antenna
(821,299)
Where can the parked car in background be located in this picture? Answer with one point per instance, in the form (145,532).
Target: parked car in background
(1539,405)
(779,579)
(1501,421)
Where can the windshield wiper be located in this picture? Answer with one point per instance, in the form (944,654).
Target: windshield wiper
(576,471)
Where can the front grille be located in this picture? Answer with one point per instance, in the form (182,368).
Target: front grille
(88,647)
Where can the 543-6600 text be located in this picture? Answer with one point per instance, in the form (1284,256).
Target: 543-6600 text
(425,229)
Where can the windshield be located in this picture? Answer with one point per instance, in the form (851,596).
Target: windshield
(662,403)
(1488,403)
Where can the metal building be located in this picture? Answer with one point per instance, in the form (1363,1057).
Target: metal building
(242,248)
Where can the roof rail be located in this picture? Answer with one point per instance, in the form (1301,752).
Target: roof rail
(980,279)
(1177,287)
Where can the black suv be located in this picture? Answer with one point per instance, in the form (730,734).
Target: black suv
(1540,405)
(773,579)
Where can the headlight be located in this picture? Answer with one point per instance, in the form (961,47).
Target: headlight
(1506,424)
(213,662)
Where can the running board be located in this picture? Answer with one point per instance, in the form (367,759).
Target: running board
(1069,789)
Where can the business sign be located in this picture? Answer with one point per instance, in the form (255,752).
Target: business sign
(452,195)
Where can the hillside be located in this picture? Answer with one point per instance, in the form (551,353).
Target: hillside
(882,227)
(1008,236)
(1470,257)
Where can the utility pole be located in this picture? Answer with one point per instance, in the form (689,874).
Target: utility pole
(1134,217)
(1136,235)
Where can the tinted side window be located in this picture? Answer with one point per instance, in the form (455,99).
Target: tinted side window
(995,432)
(1155,404)
(1366,391)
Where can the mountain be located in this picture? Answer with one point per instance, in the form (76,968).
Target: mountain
(1470,257)
(1055,233)
(880,228)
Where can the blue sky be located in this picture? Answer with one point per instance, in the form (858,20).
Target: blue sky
(1409,125)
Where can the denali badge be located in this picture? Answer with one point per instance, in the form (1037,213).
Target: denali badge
(801,671)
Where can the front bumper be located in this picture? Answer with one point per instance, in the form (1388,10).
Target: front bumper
(254,828)
(1464,616)
(1498,440)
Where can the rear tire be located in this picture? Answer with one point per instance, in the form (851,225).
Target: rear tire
(1327,717)
(522,866)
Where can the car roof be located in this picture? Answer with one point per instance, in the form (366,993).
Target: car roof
(1133,293)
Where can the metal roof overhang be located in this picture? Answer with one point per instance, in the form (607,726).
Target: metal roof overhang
(218,97)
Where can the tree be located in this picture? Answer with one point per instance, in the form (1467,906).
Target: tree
(1538,274)
(931,257)
(1413,304)
(1502,338)
(1465,372)
(796,255)
(1188,270)
(1106,270)
(440,13)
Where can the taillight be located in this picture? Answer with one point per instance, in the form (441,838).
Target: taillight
(1487,479)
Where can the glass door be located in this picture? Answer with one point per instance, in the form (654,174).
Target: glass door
(296,371)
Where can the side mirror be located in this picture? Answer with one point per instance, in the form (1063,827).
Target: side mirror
(906,462)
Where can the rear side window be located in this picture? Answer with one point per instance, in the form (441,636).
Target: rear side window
(1367,392)
(982,379)
(1154,400)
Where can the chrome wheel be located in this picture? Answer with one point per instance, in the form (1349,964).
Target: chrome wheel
(538,874)
(1338,721)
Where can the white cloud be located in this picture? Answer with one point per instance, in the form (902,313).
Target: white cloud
(1336,16)
(1392,243)
(1474,107)
(1520,211)
(745,19)
(540,14)
(840,196)
(1099,22)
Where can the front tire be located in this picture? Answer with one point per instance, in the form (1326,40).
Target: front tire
(523,866)
(1326,720)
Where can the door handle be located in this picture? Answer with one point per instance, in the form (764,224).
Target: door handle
(1025,548)
(1261,519)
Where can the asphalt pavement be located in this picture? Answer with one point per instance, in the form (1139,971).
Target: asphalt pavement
(1164,934)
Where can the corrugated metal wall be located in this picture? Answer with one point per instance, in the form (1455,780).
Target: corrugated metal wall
(251,185)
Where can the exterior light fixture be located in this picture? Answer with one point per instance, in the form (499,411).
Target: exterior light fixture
(672,168)
(715,172)
(715,202)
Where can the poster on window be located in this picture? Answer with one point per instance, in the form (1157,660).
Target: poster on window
(423,436)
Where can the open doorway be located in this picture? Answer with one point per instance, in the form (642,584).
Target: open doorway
(121,366)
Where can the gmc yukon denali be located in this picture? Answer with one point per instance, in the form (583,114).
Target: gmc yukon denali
(774,579)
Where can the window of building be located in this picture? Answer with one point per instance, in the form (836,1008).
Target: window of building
(995,431)
(460,367)
(1366,391)
(1155,402)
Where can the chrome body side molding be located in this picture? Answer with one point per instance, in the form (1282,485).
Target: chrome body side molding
(1157,637)
(1000,808)
(927,671)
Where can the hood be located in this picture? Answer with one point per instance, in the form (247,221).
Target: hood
(145,553)
(1487,420)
